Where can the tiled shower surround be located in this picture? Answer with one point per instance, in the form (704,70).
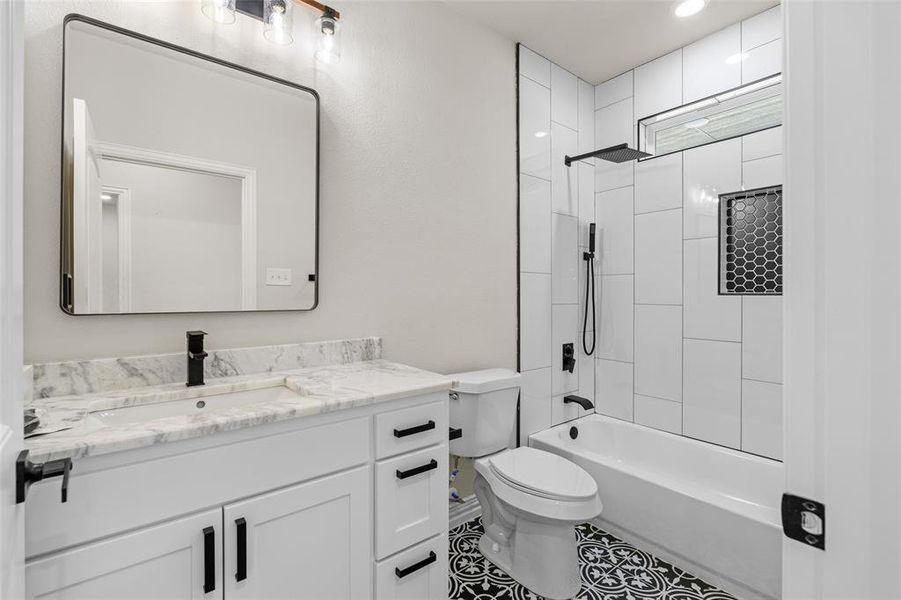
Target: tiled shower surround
(671,352)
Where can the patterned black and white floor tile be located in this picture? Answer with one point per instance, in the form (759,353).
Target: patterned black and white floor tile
(611,570)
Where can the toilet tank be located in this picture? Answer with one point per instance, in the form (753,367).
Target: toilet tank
(483,405)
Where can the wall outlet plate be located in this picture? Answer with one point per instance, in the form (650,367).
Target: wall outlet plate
(278,276)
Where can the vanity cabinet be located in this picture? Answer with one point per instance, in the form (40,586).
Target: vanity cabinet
(306,542)
(340,506)
(162,561)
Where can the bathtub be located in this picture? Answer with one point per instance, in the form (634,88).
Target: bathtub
(707,509)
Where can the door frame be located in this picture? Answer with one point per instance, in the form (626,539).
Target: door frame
(11,293)
(843,294)
(183,162)
(123,241)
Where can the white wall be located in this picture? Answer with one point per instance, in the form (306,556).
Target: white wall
(556,205)
(673,354)
(418,196)
(185,237)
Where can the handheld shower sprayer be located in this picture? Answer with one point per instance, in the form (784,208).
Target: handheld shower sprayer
(588,257)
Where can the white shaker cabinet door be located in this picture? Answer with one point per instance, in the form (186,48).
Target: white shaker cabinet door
(307,542)
(176,560)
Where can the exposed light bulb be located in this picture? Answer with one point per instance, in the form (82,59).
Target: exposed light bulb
(328,49)
(278,21)
(220,11)
(688,8)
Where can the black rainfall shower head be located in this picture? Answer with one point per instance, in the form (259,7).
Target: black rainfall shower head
(617,154)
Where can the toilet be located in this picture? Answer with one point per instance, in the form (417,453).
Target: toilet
(531,500)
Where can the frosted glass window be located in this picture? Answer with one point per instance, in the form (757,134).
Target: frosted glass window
(747,109)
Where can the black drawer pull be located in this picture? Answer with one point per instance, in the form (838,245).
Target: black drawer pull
(241,570)
(401,573)
(432,464)
(399,433)
(209,560)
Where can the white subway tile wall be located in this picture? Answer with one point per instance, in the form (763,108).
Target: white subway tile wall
(702,365)
(711,401)
(712,64)
(614,212)
(535,403)
(614,388)
(564,180)
(762,62)
(534,224)
(706,314)
(658,413)
(658,184)
(658,351)
(658,85)
(615,320)
(557,204)
(658,257)
(708,171)
(671,353)
(565,265)
(565,331)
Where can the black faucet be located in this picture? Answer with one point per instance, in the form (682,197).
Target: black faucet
(196,354)
(585,403)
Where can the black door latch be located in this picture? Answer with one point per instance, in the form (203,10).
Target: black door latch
(28,472)
(804,520)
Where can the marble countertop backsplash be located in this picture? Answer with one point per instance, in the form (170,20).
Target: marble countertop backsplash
(105,374)
(333,376)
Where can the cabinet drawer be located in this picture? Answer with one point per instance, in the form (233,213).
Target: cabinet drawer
(410,428)
(411,499)
(418,573)
(190,482)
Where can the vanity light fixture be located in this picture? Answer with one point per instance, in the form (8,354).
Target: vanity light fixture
(219,11)
(328,49)
(277,19)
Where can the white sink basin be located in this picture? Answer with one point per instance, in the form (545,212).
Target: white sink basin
(191,406)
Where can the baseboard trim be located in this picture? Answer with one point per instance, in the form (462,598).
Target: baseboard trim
(463,512)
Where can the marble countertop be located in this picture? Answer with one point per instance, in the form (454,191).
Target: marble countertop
(318,390)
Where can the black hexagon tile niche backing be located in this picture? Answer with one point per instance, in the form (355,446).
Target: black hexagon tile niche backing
(751,242)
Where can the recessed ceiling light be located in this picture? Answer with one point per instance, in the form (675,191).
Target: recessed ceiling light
(687,8)
(737,58)
(105,197)
(697,123)
(540,134)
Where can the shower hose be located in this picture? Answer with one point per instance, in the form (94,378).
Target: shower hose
(589,287)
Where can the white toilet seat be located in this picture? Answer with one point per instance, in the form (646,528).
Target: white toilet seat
(524,479)
(543,474)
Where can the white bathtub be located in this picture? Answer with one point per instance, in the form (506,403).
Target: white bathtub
(708,509)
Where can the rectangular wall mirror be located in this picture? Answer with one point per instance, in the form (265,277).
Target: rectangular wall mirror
(189,184)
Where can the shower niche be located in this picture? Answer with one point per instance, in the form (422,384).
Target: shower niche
(750,242)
